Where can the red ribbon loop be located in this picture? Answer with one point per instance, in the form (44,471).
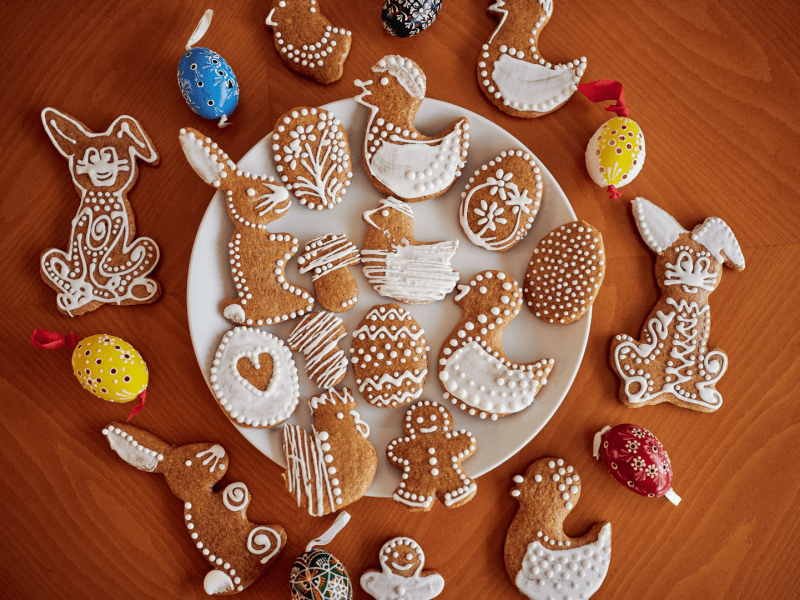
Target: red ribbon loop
(139,406)
(613,192)
(606,89)
(49,340)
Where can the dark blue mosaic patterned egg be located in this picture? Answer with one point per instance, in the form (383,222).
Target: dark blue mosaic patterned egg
(318,575)
(207,83)
(404,18)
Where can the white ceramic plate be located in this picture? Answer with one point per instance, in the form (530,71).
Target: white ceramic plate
(526,339)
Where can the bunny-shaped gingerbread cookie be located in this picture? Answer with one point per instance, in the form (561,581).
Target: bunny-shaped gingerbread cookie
(257,257)
(237,550)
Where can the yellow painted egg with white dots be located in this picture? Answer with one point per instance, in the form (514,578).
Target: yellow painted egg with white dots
(110,368)
(615,154)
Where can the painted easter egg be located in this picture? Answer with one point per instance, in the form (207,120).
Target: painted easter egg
(637,460)
(207,83)
(319,575)
(404,18)
(616,152)
(389,356)
(110,368)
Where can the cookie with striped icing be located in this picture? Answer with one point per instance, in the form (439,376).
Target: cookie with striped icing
(327,257)
(317,336)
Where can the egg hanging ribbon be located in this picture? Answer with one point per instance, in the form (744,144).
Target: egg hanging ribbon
(616,152)
(107,366)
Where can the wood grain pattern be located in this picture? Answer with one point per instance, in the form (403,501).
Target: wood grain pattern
(714,86)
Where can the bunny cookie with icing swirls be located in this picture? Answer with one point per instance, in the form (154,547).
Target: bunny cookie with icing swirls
(237,550)
(402,561)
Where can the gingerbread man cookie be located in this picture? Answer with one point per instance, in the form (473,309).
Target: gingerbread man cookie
(327,257)
(430,456)
(257,257)
(401,576)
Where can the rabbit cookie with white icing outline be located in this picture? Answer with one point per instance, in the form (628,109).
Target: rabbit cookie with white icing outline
(474,372)
(542,560)
(257,257)
(672,362)
(237,550)
(402,560)
(511,71)
(399,160)
(327,257)
(317,336)
(105,263)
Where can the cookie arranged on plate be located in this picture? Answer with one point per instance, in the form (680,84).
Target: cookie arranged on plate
(317,336)
(327,258)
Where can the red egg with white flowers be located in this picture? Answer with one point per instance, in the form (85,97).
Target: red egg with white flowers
(636,459)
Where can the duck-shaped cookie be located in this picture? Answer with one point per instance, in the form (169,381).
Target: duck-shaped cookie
(474,371)
(401,576)
(307,42)
(541,559)
(399,160)
(519,81)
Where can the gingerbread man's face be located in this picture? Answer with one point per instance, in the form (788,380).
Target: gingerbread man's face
(427,417)
(402,556)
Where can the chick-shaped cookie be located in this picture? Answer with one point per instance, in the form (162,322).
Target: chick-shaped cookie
(430,457)
(401,576)
(541,559)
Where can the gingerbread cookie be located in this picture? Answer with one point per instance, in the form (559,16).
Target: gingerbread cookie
(258,258)
(565,273)
(307,42)
(312,155)
(671,362)
(474,371)
(402,560)
(390,358)
(254,378)
(335,464)
(317,336)
(327,257)
(237,550)
(541,559)
(399,160)
(501,201)
(105,263)
(430,456)
(511,71)
(397,265)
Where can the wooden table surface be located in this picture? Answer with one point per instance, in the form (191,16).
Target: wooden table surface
(714,86)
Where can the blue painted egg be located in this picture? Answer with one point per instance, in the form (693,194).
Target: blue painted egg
(207,83)
(404,18)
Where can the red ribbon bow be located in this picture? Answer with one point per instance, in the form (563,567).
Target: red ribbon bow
(606,89)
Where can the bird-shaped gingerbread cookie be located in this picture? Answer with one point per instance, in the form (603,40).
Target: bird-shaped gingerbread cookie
(430,456)
(474,371)
(307,42)
(541,559)
(401,576)
(399,160)
(519,81)
(257,257)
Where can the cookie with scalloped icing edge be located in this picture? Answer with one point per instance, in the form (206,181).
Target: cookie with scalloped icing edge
(317,336)
(327,258)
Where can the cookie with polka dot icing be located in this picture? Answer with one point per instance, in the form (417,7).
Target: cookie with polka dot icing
(257,257)
(317,336)
(312,155)
(237,550)
(334,465)
(402,560)
(474,371)
(327,258)
(306,40)
(541,559)
(565,273)
(389,356)
(501,201)
(399,160)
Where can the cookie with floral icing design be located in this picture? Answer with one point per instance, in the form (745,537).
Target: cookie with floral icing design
(565,273)
(334,465)
(312,155)
(257,257)
(307,42)
(397,265)
(399,160)
(317,336)
(430,456)
(540,558)
(511,70)
(475,373)
(105,263)
(254,378)
(389,356)
(402,560)
(327,257)
(237,550)
(672,361)
(501,201)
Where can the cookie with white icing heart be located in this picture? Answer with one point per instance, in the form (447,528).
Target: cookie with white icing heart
(401,574)
(327,258)
(317,336)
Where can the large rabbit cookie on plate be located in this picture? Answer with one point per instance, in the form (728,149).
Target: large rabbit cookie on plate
(237,550)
